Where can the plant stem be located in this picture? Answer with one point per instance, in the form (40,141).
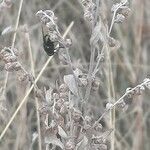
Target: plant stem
(36,100)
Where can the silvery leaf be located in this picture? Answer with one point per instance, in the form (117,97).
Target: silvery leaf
(61,132)
(71,83)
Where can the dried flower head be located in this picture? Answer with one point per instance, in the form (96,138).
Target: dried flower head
(88,6)
(5,4)
(7,54)
(119,18)
(47,17)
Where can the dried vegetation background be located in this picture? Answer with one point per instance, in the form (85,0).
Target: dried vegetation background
(80,101)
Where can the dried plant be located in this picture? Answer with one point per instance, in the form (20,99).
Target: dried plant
(66,94)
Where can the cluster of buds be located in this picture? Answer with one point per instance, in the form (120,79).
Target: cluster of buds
(98,140)
(132,92)
(139,89)
(88,6)
(54,114)
(121,11)
(62,105)
(61,110)
(10,58)
(5,4)
(83,82)
(95,133)
(68,118)
(113,43)
(48,18)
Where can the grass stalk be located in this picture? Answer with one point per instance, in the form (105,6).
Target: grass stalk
(36,100)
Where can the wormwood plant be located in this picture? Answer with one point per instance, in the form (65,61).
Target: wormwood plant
(66,118)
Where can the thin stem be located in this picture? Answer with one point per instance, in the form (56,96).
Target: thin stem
(36,100)
(91,66)
(111,89)
(118,101)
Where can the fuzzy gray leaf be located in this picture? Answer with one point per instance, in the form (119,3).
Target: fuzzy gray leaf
(96,35)
(61,132)
(48,95)
(71,83)
(99,33)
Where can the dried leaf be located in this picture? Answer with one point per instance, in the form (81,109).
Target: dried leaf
(61,132)
(96,34)
(71,83)
(48,95)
